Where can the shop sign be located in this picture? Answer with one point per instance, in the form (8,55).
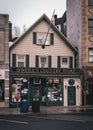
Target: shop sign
(45,70)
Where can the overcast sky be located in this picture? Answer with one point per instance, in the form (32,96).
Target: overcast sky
(26,12)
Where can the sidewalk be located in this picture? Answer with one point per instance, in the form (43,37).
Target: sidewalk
(44,110)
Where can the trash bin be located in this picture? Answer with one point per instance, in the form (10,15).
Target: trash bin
(24,106)
(35,105)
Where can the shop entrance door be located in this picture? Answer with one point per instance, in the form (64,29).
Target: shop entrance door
(36,89)
(71,95)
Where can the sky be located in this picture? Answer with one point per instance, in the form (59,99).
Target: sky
(26,12)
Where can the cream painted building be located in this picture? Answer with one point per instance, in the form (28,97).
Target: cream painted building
(42,67)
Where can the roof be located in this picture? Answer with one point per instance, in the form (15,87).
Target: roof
(44,17)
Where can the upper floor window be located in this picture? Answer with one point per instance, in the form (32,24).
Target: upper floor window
(65,62)
(90,26)
(43,38)
(90,54)
(43,62)
(90,2)
(20,60)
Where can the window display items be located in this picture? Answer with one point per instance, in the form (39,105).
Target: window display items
(19,86)
(54,90)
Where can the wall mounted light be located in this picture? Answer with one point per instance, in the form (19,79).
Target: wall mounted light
(65,86)
(77,86)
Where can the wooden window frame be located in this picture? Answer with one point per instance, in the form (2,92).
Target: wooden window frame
(67,62)
(24,59)
(46,61)
(43,38)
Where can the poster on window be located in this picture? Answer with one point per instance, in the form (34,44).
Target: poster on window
(19,86)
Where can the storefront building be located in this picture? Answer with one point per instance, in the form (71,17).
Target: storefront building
(50,86)
(43,68)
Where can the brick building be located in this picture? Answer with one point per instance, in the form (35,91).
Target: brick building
(4,60)
(79,32)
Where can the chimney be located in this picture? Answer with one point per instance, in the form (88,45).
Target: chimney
(10,31)
(55,18)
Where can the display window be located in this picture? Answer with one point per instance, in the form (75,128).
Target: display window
(19,86)
(54,90)
(2,88)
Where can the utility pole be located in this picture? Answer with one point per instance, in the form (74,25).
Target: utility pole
(43,46)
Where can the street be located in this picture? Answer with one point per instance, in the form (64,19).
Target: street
(47,122)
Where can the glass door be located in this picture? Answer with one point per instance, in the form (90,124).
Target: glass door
(36,96)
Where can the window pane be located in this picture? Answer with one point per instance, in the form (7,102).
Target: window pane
(90,51)
(90,2)
(64,60)
(20,61)
(90,30)
(90,22)
(40,38)
(21,58)
(90,59)
(65,63)
(91,55)
(43,62)
(90,26)
(47,39)
(20,64)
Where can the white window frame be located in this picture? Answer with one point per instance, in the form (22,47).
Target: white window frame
(45,65)
(41,38)
(63,64)
(90,26)
(20,60)
(90,55)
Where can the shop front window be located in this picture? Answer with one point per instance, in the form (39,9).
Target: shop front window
(54,90)
(2,90)
(19,86)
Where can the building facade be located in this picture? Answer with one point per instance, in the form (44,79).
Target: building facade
(4,61)
(80,34)
(42,67)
